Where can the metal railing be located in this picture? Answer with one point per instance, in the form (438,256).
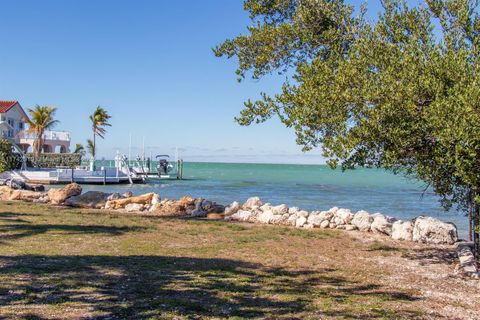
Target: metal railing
(48,135)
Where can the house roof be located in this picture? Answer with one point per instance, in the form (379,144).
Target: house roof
(6,105)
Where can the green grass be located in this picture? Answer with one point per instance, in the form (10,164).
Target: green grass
(379,246)
(70,264)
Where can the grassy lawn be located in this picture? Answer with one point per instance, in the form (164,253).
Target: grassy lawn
(78,264)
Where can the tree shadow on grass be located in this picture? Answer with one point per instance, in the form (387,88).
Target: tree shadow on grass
(13,227)
(432,255)
(140,287)
(13,217)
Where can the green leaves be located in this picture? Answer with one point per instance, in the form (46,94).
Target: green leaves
(8,159)
(99,119)
(79,149)
(91,147)
(394,93)
(54,160)
(41,119)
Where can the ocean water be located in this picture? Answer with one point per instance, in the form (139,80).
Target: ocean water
(310,187)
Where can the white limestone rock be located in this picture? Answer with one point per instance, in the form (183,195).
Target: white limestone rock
(286,220)
(155,199)
(300,222)
(265,217)
(350,227)
(155,207)
(279,219)
(241,215)
(467,261)
(402,230)
(134,207)
(325,224)
(291,221)
(333,210)
(314,219)
(252,202)
(293,210)
(266,207)
(325,215)
(342,217)
(362,220)
(232,208)
(431,230)
(255,209)
(382,224)
(302,213)
(42,200)
(280,209)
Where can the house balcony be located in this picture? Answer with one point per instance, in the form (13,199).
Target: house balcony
(53,141)
(47,136)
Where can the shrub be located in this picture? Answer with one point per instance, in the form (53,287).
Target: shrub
(53,160)
(9,160)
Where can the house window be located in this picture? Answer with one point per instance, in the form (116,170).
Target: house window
(20,125)
(10,133)
(2,118)
(11,122)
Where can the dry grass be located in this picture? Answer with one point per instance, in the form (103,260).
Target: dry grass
(58,263)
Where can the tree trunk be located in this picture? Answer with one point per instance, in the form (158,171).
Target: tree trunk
(474,223)
(38,144)
(471,208)
(476,231)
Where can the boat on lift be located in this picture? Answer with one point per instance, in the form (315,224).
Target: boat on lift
(162,169)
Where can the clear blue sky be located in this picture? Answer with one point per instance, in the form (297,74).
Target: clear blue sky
(150,64)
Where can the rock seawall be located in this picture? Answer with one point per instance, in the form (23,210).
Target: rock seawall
(421,229)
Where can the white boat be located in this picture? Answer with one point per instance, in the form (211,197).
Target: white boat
(164,169)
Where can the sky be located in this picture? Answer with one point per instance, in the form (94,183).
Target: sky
(150,64)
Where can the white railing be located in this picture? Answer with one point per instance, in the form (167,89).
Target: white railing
(48,135)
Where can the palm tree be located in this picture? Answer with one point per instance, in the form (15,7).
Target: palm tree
(91,147)
(80,149)
(41,119)
(99,120)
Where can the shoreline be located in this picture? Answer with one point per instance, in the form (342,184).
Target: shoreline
(171,267)
(422,229)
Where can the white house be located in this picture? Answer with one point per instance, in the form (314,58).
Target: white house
(13,125)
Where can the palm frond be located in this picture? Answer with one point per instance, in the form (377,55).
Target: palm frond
(99,119)
(90,147)
(80,149)
(41,119)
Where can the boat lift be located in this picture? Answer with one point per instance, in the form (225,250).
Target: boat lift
(121,172)
(164,169)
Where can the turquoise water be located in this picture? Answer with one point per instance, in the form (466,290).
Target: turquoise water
(310,187)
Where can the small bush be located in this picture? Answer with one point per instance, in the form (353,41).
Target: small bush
(379,246)
(9,160)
